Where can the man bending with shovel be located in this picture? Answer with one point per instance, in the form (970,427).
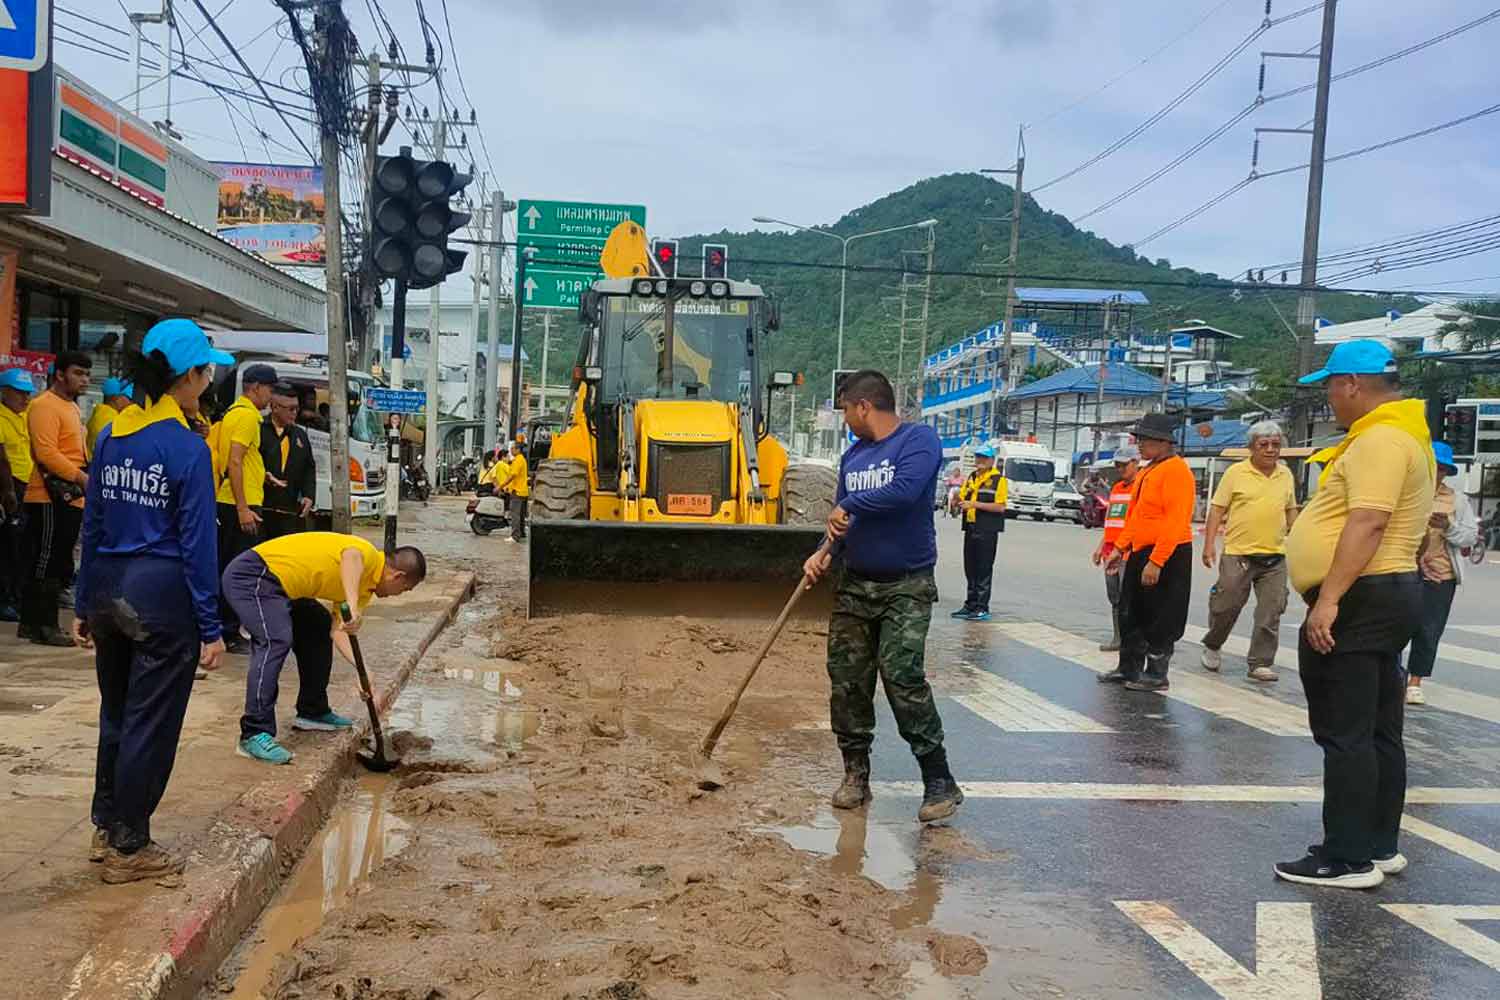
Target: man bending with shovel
(885,593)
(278,588)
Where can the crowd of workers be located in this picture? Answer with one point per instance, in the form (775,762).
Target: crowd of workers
(193,538)
(1375,557)
(505,474)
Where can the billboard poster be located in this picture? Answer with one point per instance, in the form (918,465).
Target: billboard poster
(35,363)
(273,210)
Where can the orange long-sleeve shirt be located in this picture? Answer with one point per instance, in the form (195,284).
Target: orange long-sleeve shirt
(56,430)
(1161,515)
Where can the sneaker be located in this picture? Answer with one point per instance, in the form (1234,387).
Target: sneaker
(1414,695)
(960,613)
(8,613)
(1212,659)
(99,845)
(1264,675)
(1317,870)
(263,746)
(237,646)
(49,636)
(1393,863)
(331,722)
(979,616)
(150,862)
(200,674)
(1146,682)
(1114,677)
(1112,646)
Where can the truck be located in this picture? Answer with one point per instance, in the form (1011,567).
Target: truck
(1030,473)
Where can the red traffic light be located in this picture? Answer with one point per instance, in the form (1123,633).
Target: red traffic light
(665,252)
(715,260)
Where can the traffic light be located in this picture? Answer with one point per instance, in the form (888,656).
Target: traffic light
(413,219)
(715,260)
(1461,430)
(665,252)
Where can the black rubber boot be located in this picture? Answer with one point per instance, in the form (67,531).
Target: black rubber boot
(855,790)
(1155,677)
(1113,645)
(941,795)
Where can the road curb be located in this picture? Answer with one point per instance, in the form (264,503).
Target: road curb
(230,883)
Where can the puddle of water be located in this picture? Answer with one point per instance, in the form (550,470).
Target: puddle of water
(359,837)
(857,847)
(605,694)
(26,702)
(496,717)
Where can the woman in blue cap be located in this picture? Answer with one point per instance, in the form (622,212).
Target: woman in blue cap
(150,567)
(1451,529)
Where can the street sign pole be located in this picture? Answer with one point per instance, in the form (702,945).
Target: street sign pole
(524,258)
(393,425)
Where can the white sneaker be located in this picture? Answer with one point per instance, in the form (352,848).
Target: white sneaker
(1392,865)
(1414,695)
(1212,659)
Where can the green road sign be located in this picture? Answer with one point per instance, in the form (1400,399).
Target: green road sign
(563,233)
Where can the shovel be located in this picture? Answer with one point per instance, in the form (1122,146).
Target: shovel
(377,762)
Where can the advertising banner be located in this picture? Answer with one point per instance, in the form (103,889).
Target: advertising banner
(35,363)
(273,210)
(10,317)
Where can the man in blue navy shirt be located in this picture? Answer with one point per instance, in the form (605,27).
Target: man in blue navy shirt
(885,592)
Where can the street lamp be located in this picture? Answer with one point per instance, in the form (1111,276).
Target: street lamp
(844,270)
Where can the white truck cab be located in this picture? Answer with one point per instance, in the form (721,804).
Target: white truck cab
(1030,473)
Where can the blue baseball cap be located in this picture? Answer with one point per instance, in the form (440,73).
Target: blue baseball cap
(1355,357)
(988,451)
(18,379)
(1444,454)
(184,344)
(114,386)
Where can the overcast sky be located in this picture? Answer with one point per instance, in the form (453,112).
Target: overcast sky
(713,114)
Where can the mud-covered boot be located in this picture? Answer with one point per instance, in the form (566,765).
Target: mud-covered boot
(855,790)
(150,862)
(1113,645)
(940,793)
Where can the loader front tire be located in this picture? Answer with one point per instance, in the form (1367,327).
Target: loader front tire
(561,492)
(807,493)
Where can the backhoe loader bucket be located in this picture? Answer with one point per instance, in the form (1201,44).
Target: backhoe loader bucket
(665,569)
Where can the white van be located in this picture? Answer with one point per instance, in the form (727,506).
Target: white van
(310,377)
(1029,472)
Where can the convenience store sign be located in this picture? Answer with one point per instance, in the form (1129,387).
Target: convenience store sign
(93,132)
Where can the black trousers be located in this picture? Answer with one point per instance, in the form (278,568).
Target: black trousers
(518,517)
(15,563)
(276,523)
(1152,619)
(979,567)
(51,532)
(1437,602)
(232,541)
(145,654)
(1355,708)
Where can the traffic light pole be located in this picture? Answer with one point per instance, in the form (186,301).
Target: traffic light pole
(393,425)
(434,331)
(515,345)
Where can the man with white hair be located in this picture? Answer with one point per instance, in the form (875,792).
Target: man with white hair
(1259,498)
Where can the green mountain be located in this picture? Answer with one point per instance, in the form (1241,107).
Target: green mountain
(971,236)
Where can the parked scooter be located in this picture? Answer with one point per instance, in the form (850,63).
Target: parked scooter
(486,512)
(414,484)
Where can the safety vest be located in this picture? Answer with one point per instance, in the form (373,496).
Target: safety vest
(1120,495)
(986,487)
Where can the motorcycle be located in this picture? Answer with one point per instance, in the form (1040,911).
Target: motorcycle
(414,484)
(487,512)
(1095,507)
(462,477)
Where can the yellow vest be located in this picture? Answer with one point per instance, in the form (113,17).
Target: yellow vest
(980,482)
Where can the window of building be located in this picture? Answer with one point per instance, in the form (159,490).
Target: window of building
(47,315)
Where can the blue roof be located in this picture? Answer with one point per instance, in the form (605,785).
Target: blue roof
(1119,380)
(1081,296)
(1222,434)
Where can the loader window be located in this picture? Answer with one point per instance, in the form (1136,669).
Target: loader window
(708,350)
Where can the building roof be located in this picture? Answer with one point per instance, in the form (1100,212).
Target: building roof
(1081,296)
(1201,331)
(1119,380)
(1421,326)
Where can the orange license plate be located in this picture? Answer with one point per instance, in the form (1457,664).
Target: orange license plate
(701,504)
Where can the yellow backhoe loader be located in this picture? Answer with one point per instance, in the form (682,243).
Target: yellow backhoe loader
(665,473)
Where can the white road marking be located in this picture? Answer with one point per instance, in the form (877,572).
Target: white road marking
(1241,704)
(1473,850)
(1286,951)
(1445,924)
(1439,695)
(1016,709)
(1490,630)
(1421,796)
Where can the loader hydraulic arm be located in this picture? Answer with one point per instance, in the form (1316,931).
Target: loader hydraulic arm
(630,467)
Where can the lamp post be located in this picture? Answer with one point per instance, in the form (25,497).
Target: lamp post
(844,268)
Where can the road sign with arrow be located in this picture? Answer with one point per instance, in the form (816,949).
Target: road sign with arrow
(560,234)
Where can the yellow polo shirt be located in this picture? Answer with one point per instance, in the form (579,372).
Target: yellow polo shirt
(102,417)
(307,565)
(241,425)
(1383,469)
(515,479)
(1256,505)
(17,441)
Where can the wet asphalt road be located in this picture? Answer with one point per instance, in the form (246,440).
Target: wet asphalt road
(1126,840)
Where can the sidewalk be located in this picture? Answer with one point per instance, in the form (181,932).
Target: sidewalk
(65,933)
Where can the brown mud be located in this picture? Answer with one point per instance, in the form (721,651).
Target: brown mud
(558,846)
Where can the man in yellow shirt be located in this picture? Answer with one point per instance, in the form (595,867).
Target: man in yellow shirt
(1352,555)
(279,589)
(1259,498)
(16,389)
(515,481)
(116,398)
(242,482)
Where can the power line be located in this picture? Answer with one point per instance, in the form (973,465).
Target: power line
(261,86)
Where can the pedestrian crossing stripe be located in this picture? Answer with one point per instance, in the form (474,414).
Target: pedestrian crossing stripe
(1015,709)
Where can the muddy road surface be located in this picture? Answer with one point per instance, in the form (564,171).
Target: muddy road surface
(550,840)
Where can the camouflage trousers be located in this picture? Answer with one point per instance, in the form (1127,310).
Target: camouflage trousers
(880,629)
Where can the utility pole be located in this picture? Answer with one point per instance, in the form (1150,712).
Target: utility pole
(1307,302)
(1109,312)
(1007,353)
(901,344)
(372,138)
(492,368)
(473,352)
(515,343)
(926,305)
(333,278)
